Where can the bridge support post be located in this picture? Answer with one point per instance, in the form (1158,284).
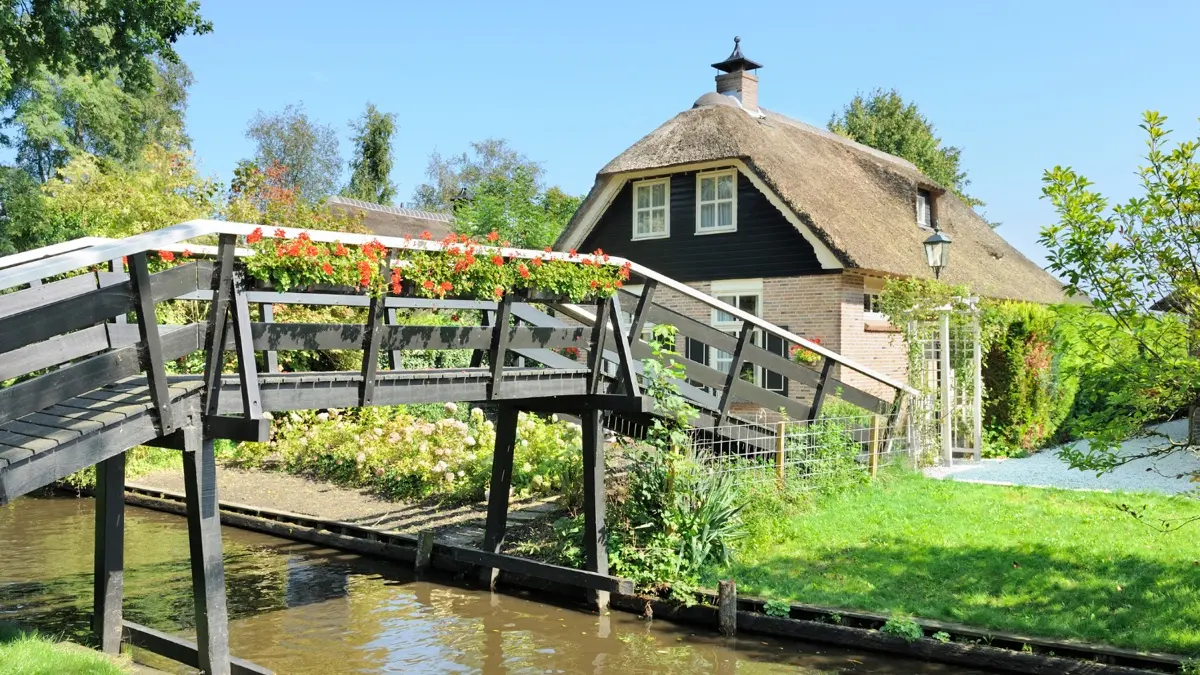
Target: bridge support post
(502,468)
(109,569)
(595,545)
(204,543)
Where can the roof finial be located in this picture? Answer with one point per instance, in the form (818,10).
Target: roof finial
(736,60)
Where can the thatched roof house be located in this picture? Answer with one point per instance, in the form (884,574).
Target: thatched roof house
(394,221)
(854,201)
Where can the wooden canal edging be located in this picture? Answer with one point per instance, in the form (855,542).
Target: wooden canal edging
(846,628)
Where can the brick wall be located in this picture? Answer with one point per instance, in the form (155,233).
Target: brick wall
(873,344)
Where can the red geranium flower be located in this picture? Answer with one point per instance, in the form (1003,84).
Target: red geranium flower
(446,287)
(428,285)
(187,253)
(595,283)
(572,253)
(426,236)
(396,281)
(537,262)
(523,270)
(327,268)
(280,232)
(498,291)
(166,256)
(547,249)
(493,235)
(498,261)
(340,250)
(255,236)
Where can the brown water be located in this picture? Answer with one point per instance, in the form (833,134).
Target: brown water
(297,608)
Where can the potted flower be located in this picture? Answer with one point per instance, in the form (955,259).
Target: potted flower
(804,355)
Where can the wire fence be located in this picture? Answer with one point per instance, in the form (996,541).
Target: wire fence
(801,455)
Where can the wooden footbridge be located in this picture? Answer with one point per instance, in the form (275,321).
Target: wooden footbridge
(86,373)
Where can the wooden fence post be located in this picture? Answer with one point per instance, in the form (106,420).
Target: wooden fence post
(502,468)
(109,569)
(876,442)
(424,551)
(727,607)
(780,450)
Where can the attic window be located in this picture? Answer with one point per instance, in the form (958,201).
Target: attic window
(651,215)
(924,208)
(716,202)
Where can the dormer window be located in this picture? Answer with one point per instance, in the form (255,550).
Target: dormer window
(716,201)
(925,208)
(651,214)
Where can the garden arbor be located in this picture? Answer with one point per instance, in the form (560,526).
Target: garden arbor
(91,383)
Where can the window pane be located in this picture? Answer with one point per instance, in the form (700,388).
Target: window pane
(658,221)
(658,195)
(707,216)
(722,360)
(643,222)
(749,304)
(724,214)
(706,189)
(725,187)
(643,196)
(866,302)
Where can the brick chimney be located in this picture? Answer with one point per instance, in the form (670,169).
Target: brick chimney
(736,78)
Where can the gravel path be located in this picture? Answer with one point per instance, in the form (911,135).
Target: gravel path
(1045,469)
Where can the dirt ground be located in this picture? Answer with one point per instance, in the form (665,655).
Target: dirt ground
(286,492)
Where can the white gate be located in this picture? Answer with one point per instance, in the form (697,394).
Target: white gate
(945,421)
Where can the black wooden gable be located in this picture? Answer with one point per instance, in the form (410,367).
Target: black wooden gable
(765,244)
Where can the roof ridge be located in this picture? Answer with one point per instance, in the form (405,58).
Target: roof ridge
(397,210)
(812,129)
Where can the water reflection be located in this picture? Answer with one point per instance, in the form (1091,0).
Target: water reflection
(300,609)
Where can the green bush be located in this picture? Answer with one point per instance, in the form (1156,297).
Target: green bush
(903,627)
(401,456)
(777,608)
(1029,386)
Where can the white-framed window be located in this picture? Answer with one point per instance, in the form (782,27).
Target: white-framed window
(652,209)
(872,289)
(924,208)
(746,295)
(716,201)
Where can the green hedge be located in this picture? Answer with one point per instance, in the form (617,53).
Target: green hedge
(1028,377)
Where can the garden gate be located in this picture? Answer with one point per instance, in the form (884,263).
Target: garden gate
(945,366)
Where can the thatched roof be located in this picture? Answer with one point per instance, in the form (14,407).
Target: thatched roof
(859,201)
(394,221)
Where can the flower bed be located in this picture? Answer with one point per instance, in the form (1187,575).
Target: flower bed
(464,268)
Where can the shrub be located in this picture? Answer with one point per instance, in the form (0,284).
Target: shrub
(1029,392)
(903,627)
(404,457)
(779,608)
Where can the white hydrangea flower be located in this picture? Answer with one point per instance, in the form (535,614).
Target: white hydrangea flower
(268,416)
(469,441)
(378,431)
(554,418)
(439,467)
(476,412)
(304,442)
(451,408)
(393,437)
(450,476)
(324,417)
(461,473)
(526,467)
(360,457)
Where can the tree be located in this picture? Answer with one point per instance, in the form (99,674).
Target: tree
(308,149)
(1128,259)
(517,209)
(885,122)
(371,168)
(23,222)
(57,117)
(489,159)
(264,196)
(91,36)
(163,189)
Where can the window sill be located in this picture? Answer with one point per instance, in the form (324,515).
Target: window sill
(716,230)
(644,237)
(878,326)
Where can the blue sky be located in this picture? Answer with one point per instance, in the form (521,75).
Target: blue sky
(1019,86)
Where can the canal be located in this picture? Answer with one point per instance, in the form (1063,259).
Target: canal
(300,609)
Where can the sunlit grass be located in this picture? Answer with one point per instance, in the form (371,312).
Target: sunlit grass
(1052,563)
(25,653)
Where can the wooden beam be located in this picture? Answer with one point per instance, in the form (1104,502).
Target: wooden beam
(108,585)
(642,313)
(218,313)
(56,350)
(596,346)
(502,468)
(238,428)
(499,349)
(270,357)
(814,412)
(204,543)
(45,294)
(395,357)
(891,428)
(533,569)
(735,372)
(595,536)
(116,267)
(244,343)
(180,650)
(477,357)
(151,352)
(372,337)
(626,374)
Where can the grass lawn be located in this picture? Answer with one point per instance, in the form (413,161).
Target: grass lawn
(23,653)
(1052,563)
